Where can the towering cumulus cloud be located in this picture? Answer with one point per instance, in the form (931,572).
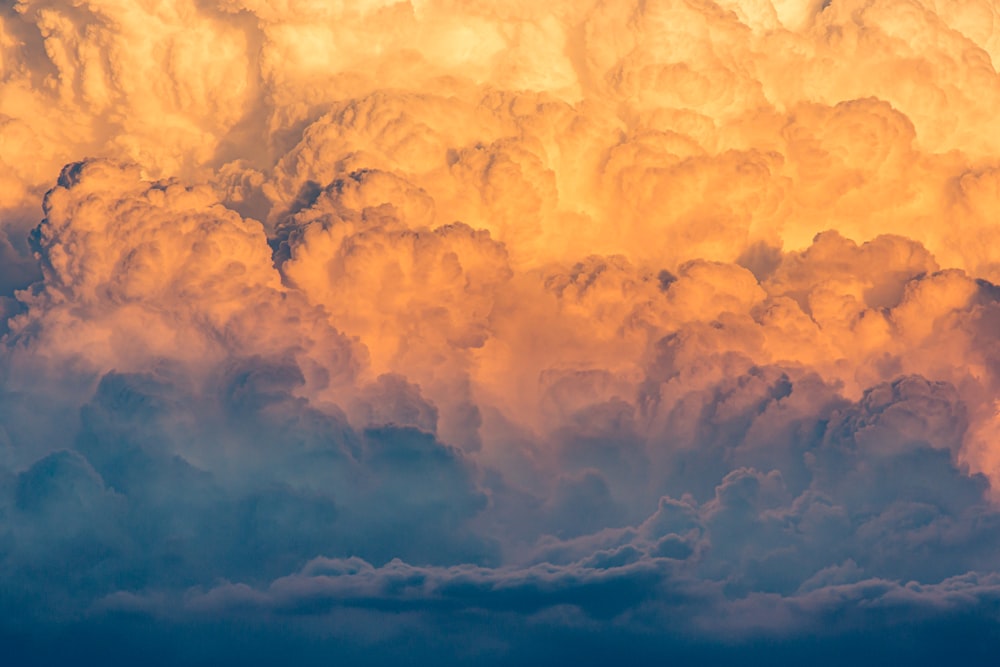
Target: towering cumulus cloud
(499,332)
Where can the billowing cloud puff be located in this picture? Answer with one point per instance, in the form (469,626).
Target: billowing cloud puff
(507,332)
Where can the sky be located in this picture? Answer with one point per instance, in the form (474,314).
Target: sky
(499,332)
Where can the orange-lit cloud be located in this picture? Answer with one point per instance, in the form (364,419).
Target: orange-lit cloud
(517,284)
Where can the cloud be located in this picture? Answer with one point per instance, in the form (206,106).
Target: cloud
(501,332)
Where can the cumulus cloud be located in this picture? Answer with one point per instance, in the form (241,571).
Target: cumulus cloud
(389,324)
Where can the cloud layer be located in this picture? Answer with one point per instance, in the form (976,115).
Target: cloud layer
(499,331)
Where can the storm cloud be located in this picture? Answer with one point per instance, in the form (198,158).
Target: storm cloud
(499,332)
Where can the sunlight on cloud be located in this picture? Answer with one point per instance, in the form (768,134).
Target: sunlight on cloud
(577,315)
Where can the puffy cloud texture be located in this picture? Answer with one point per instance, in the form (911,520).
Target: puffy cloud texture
(499,332)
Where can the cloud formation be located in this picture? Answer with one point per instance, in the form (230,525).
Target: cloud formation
(499,330)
